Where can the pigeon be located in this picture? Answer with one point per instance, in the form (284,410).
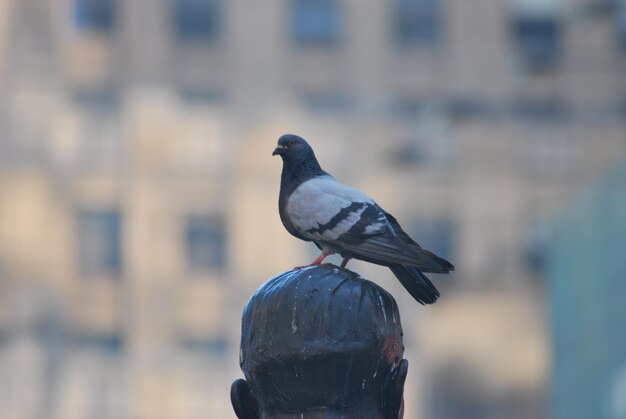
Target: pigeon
(315,207)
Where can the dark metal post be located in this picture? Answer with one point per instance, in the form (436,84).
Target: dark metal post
(320,342)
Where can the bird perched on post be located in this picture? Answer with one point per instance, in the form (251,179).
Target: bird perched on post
(315,207)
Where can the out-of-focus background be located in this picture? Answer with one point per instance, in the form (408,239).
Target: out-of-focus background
(138,196)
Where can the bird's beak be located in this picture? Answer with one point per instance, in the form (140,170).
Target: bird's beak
(280,149)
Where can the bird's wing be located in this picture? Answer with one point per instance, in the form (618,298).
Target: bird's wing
(445,266)
(387,248)
(322,209)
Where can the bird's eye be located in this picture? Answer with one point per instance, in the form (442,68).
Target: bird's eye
(291,142)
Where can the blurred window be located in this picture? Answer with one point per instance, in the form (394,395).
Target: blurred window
(99,239)
(417,21)
(539,236)
(214,346)
(409,107)
(196,19)
(97,15)
(97,101)
(205,243)
(548,109)
(466,107)
(406,154)
(459,391)
(328,102)
(434,234)
(112,344)
(315,21)
(536,29)
(99,139)
(202,95)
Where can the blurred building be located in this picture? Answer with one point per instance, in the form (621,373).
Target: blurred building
(587,303)
(138,194)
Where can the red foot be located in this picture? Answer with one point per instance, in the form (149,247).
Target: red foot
(314,263)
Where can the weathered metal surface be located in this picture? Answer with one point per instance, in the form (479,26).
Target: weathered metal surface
(320,342)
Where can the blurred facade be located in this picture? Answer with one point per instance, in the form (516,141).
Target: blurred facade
(587,303)
(138,194)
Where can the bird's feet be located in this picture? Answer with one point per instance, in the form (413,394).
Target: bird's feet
(316,262)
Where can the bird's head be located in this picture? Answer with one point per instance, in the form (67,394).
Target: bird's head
(292,147)
(299,160)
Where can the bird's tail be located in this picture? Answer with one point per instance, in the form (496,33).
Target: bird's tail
(416,283)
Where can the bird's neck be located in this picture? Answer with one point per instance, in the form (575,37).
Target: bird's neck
(294,173)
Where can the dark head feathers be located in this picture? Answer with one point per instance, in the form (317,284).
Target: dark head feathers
(299,162)
(290,145)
